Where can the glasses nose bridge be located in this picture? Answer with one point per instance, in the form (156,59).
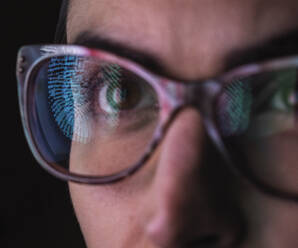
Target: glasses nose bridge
(201,95)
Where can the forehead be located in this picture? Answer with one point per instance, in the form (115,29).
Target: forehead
(196,34)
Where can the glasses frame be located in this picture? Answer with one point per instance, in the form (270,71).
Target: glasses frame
(31,57)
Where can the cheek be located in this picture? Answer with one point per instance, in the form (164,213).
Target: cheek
(115,215)
(270,222)
(99,215)
(109,152)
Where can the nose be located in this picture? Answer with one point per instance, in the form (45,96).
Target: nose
(192,206)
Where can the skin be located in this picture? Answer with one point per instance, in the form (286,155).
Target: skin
(184,197)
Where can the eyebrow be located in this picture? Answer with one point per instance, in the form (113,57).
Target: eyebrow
(285,44)
(282,45)
(144,58)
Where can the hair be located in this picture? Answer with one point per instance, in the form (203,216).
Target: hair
(60,34)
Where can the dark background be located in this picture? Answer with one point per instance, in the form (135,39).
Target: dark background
(35,208)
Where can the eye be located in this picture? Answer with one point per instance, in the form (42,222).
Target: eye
(275,104)
(121,92)
(122,101)
(258,102)
(285,96)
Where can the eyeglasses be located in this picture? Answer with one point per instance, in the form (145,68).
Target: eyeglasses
(92,117)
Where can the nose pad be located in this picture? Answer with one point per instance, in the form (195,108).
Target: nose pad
(184,215)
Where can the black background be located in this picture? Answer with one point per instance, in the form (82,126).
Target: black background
(35,208)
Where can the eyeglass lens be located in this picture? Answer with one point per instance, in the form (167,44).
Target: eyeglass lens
(94,115)
(257,118)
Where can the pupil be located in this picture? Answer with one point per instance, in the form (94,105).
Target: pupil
(123,96)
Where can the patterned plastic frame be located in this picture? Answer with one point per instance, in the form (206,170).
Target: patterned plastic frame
(172,100)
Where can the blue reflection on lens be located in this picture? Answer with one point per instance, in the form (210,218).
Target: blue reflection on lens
(235,109)
(61,71)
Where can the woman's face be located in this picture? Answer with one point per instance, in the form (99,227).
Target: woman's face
(182,198)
